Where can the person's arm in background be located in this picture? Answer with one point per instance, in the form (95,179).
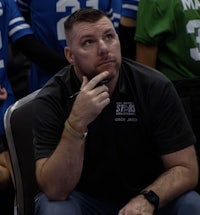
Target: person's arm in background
(146,54)
(32,48)
(147,35)
(4,172)
(127,28)
(40,54)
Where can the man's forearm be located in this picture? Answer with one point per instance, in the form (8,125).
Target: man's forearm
(60,173)
(176,180)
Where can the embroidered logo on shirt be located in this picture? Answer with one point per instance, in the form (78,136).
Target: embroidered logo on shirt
(125,112)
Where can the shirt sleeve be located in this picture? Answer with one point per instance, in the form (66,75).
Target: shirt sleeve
(130,8)
(48,124)
(154,19)
(171,128)
(17,25)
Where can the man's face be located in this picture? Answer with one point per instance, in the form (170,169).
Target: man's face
(94,48)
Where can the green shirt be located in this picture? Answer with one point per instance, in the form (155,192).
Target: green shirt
(174,26)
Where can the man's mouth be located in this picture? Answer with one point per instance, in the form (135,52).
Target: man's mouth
(106,62)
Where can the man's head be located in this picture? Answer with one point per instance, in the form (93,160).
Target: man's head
(83,15)
(93,44)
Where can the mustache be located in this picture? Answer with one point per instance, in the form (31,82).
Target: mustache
(105,62)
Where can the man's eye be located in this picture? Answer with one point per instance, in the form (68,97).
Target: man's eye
(109,36)
(88,42)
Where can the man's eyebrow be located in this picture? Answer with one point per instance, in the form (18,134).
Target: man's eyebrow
(85,37)
(91,35)
(110,30)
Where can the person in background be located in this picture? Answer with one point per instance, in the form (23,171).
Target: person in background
(168,39)
(14,28)
(111,135)
(127,28)
(47,24)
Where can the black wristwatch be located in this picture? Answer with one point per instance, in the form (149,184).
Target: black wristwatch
(152,197)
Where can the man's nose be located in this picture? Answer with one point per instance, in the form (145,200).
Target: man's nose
(103,47)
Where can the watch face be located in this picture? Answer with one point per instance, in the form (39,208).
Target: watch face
(152,197)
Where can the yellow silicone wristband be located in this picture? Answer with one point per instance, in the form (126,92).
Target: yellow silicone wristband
(73,132)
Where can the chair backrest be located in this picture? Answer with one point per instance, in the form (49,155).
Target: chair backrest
(18,128)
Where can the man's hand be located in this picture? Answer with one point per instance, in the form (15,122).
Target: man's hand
(89,102)
(137,206)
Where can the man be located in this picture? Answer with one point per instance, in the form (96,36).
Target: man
(111,137)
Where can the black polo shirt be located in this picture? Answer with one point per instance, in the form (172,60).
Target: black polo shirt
(145,119)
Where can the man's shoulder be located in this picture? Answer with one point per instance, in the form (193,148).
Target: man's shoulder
(55,84)
(142,72)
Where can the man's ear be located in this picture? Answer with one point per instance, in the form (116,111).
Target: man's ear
(68,54)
